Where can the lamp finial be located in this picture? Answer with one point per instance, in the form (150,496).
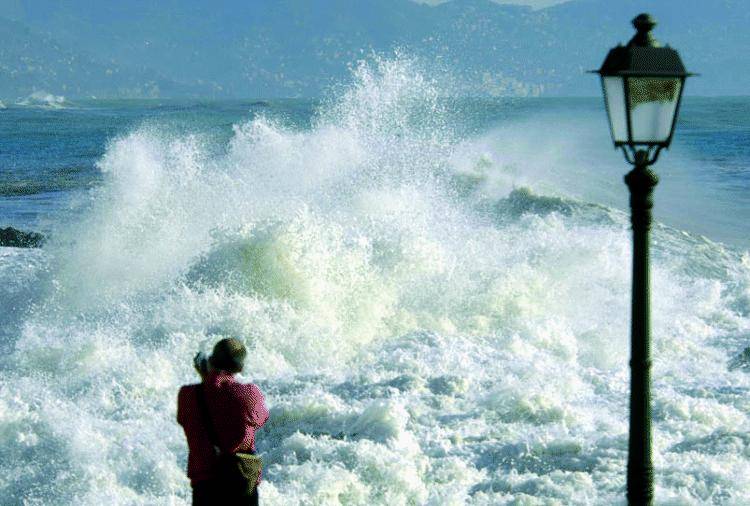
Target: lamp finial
(644,23)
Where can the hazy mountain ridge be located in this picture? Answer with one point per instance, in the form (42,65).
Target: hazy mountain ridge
(234,48)
(32,63)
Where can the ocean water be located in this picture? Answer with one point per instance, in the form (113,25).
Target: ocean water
(435,294)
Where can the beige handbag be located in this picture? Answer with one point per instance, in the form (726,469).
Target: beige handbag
(240,467)
(240,470)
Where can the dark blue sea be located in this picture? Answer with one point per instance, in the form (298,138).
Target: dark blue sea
(435,293)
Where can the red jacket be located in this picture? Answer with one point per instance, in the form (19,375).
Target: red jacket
(236,411)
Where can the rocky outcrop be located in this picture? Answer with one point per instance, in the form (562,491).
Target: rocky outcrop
(741,361)
(14,238)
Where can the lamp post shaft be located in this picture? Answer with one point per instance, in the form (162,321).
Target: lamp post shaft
(641,181)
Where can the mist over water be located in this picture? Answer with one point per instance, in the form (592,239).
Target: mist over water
(424,334)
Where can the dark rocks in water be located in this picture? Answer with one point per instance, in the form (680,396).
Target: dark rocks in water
(741,361)
(14,238)
(259,103)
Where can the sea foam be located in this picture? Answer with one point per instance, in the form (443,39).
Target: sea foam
(421,337)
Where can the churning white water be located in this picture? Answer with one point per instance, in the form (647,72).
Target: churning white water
(422,334)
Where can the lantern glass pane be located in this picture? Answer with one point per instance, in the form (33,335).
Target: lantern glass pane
(653,103)
(614,94)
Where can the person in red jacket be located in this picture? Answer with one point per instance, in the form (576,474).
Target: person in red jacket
(236,410)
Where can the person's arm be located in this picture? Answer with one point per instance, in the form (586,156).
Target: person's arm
(200,363)
(180,404)
(257,408)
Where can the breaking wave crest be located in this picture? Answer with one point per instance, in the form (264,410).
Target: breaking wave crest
(45,100)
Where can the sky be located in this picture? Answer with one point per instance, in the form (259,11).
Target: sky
(537,4)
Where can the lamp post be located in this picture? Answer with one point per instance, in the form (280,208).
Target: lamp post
(642,84)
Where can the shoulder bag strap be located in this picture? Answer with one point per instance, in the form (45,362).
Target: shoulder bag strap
(200,396)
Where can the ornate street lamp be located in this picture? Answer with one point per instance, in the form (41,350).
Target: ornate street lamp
(642,84)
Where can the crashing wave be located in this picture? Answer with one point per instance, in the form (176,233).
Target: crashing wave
(45,100)
(417,346)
